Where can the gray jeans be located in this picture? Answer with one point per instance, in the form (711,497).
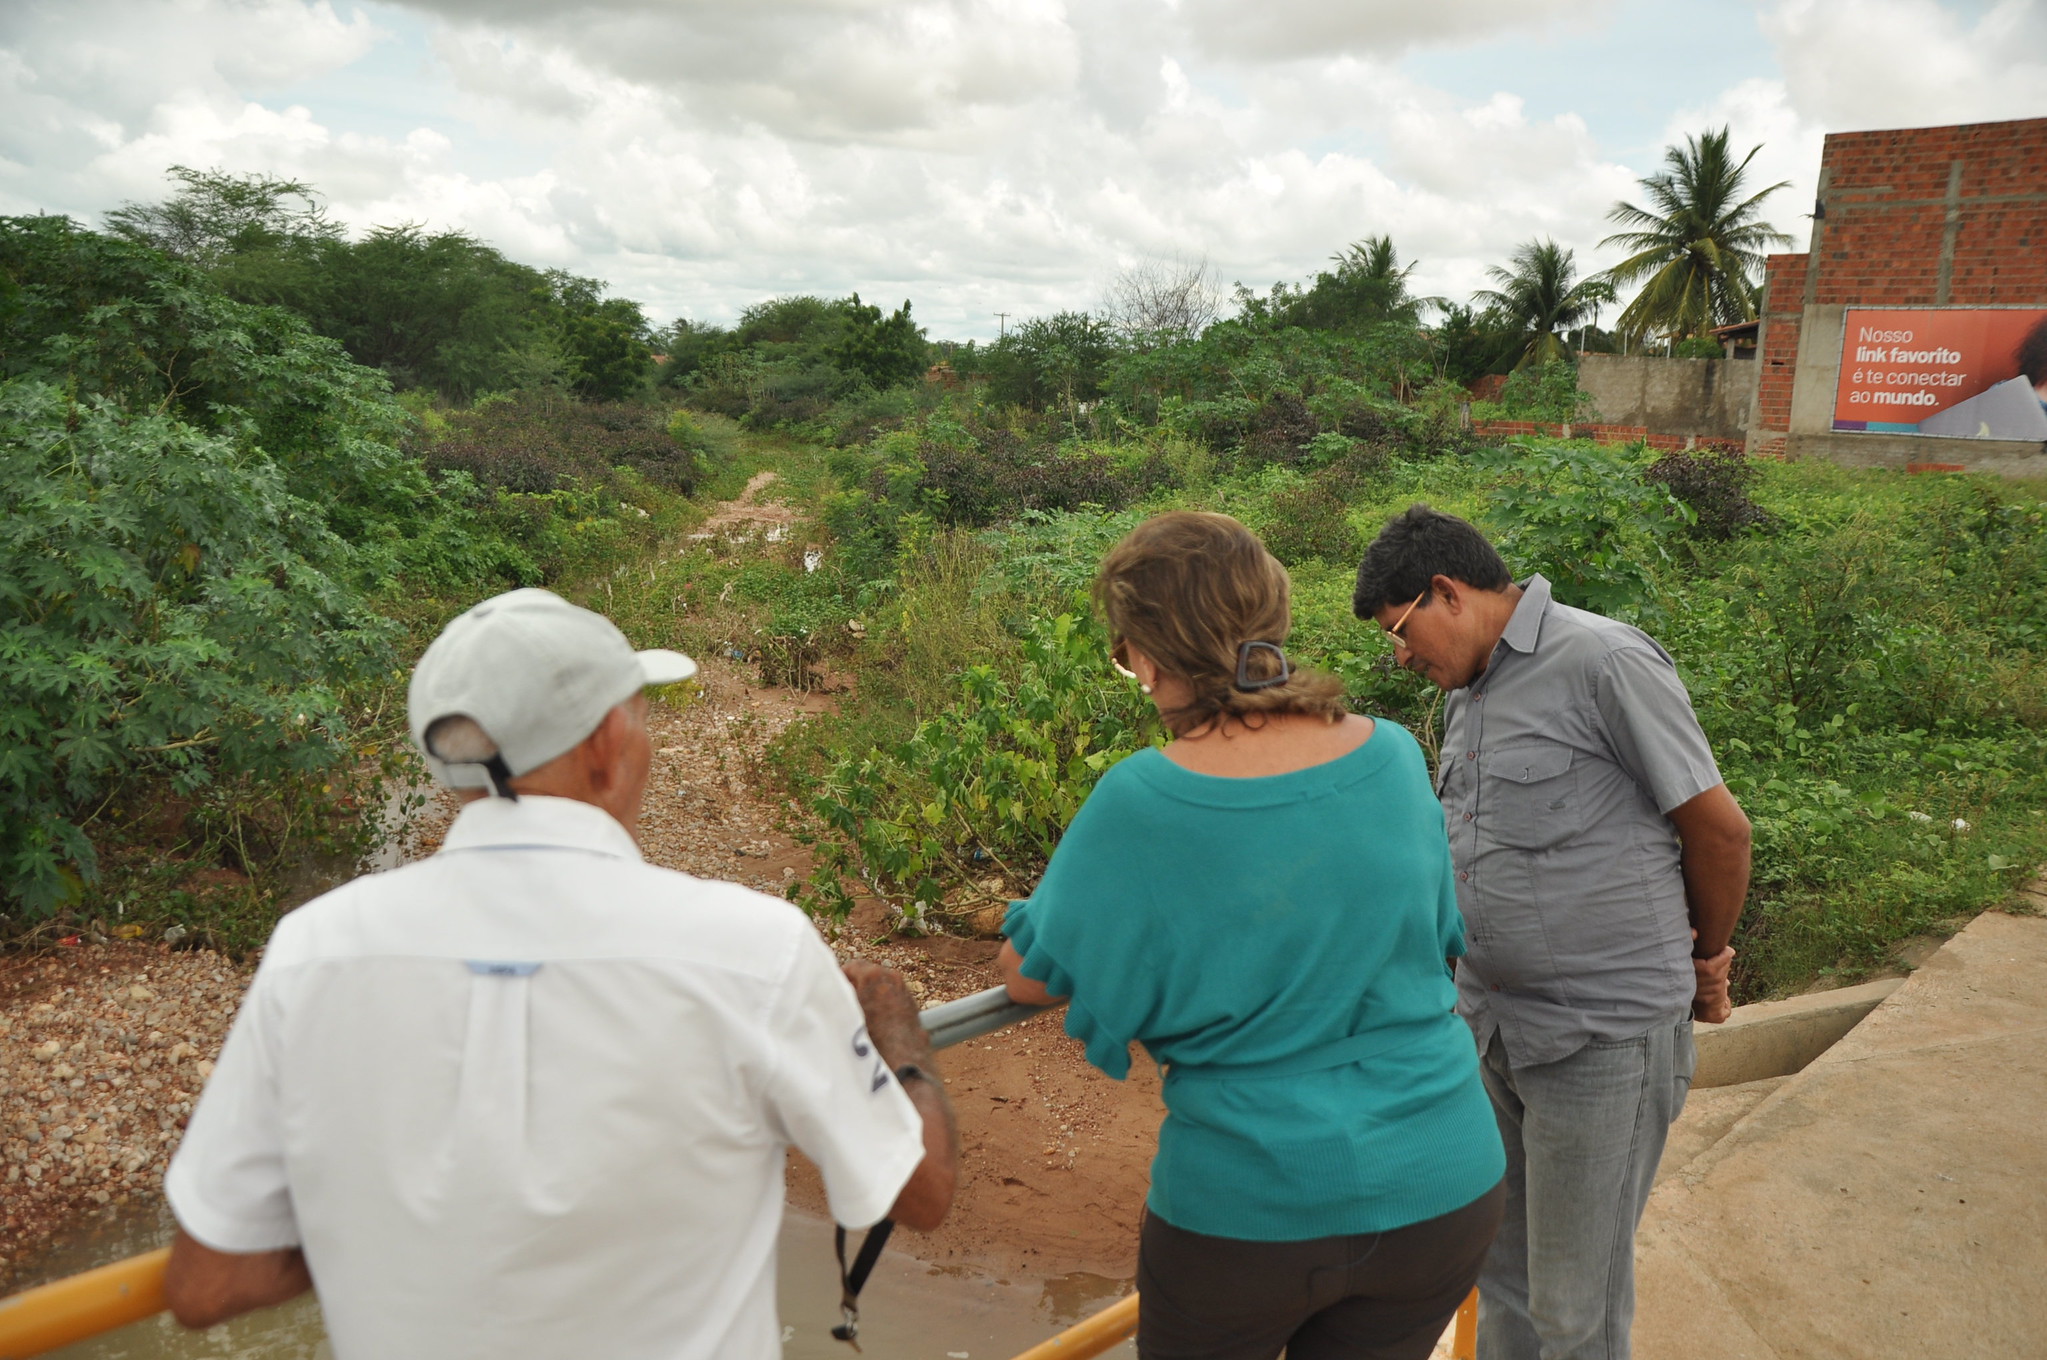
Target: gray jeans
(1583,1137)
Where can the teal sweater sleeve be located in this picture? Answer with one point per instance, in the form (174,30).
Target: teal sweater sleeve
(1098,879)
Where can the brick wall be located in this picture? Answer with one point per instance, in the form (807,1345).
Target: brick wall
(1777,352)
(1926,217)
(1909,217)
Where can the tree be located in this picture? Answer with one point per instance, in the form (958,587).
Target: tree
(1060,358)
(217,214)
(195,495)
(1469,343)
(1367,288)
(1368,285)
(1700,244)
(885,351)
(1541,295)
(1160,302)
(606,338)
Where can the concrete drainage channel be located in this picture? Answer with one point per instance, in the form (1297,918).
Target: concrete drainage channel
(1779,1038)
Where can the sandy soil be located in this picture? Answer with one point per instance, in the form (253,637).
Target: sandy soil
(104,1048)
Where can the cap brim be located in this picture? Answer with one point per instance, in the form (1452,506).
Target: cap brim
(658,666)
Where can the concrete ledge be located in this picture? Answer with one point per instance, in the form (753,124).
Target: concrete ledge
(1777,1038)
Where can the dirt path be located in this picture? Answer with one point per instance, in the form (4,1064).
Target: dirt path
(104,1048)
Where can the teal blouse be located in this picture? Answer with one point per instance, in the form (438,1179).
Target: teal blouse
(1278,945)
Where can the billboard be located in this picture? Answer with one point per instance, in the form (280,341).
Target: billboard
(1953,372)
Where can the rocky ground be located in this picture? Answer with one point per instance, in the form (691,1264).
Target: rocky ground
(104,1048)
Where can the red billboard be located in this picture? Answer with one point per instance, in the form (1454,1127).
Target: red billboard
(1952,372)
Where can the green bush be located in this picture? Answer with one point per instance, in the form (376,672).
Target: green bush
(1715,484)
(168,611)
(1583,516)
(965,813)
(1546,393)
(1311,523)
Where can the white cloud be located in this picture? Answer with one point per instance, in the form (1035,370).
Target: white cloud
(94,94)
(974,155)
(1907,63)
(1293,29)
(1874,64)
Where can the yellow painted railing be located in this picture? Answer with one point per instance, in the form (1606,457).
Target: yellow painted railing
(39,1320)
(1090,1336)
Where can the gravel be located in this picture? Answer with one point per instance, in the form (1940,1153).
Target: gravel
(102,1052)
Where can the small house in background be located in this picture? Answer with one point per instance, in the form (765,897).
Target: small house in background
(1739,340)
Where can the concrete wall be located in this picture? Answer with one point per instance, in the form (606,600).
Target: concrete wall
(1709,397)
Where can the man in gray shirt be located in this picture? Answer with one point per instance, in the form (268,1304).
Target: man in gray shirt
(1601,867)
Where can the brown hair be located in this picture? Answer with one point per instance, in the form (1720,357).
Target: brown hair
(1189,589)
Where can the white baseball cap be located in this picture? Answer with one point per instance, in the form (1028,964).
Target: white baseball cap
(535,673)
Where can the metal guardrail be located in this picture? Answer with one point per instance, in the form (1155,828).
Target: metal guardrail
(970,1017)
(37,1321)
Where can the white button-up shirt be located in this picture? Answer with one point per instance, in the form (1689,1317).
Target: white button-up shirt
(530,1097)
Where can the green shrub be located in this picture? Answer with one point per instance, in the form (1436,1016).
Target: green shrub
(1715,484)
(168,611)
(527,444)
(1311,523)
(1546,393)
(965,813)
(1582,516)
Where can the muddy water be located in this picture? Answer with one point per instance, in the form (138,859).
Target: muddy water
(908,1310)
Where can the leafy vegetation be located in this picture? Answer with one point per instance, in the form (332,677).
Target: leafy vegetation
(439,311)
(217,529)
(253,463)
(1541,294)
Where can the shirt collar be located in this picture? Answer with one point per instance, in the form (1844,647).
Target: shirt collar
(1525,626)
(538,822)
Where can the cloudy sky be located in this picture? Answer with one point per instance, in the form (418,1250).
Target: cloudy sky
(977,156)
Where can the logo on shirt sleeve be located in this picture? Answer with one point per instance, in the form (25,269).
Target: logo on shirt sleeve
(863,1047)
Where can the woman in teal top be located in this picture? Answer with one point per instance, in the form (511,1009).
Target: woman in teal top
(1266,905)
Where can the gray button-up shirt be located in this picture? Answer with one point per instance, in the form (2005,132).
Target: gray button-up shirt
(1558,765)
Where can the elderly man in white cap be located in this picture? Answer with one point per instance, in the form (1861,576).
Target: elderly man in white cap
(531,1096)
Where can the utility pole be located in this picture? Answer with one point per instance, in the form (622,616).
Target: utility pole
(1002,325)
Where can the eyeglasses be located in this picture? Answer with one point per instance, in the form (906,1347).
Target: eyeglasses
(1116,660)
(1400,623)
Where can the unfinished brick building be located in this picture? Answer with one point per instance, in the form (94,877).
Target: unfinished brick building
(1917,217)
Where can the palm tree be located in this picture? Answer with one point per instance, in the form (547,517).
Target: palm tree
(1700,243)
(1541,295)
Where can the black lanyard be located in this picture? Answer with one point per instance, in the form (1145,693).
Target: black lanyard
(851,1281)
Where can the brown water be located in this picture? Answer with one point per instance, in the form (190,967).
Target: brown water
(909,1309)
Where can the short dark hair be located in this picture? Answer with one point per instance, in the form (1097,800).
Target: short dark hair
(2032,355)
(1416,546)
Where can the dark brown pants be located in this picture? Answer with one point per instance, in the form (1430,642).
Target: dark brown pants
(1374,1296)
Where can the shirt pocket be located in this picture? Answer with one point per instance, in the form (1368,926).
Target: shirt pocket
(1529,799)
